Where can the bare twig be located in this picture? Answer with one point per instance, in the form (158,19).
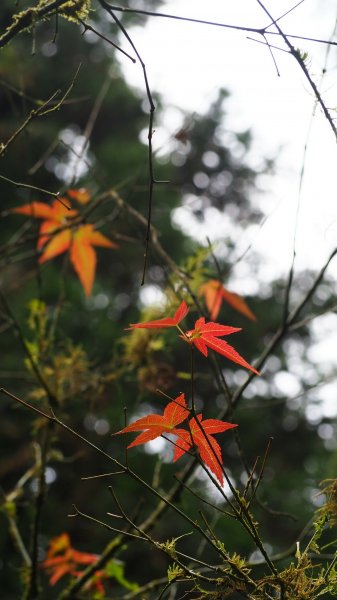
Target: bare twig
(152,180)
(295,53)
(32,587)
(284,328)
(258,30)
(106,39)
(28,186)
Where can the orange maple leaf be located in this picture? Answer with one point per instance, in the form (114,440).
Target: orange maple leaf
(81,195)
(200,435)
(83,256)
(215,293)
(58,234)
(178,316)
(62,559)
(154,425)
(206,335)
(59,211)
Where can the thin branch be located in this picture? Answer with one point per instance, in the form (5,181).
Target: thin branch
(28,186)
(272,55)
(258,30)
(291,320)
(264,42)
(259,479)
(90,124)
(39,112)
(103,37)
(143,536)
(295,53)
(18,541)
(32,588)
(188,19)
(38,164)
(167,500)
(300,187)
(285,13)
(152,180)
(207,502)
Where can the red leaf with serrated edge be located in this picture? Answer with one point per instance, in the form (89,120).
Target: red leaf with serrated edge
(211,329)
(181,312)
(205,335)
(179,315)
(215,293)
(154,425)
(200,436)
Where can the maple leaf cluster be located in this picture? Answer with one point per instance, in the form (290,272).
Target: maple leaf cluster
(198,435)
(203,336)
(61,230)
(62,559)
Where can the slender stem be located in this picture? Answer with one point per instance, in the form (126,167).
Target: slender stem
(295,53)
(257,30)
(32,589)
(152,180)
(103,37)
(192,381)
(19,184)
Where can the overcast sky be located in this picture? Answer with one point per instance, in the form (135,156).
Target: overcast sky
(188,63)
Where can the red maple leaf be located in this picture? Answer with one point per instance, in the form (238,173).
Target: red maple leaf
(200,435)
(179,315)
(154,425)
(63,559)
(215,293)
(58,234)
(206,335)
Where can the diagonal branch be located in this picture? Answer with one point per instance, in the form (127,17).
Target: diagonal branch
(152,180)
(295,53)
